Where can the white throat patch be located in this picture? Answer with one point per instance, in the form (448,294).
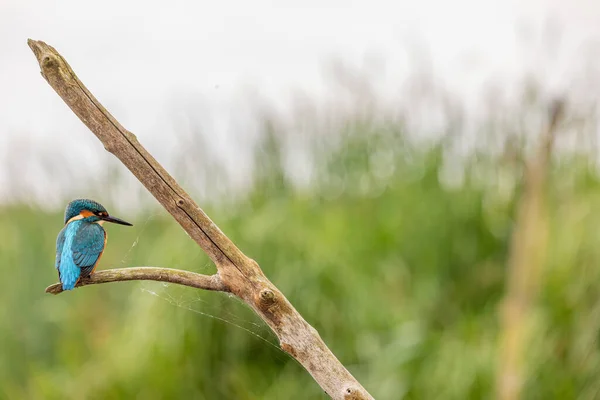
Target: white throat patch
(75,218)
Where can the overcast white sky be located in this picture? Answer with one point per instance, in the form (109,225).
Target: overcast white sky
(138,56)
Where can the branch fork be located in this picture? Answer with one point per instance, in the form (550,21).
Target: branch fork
(236,273)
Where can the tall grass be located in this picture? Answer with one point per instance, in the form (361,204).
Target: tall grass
(396,251)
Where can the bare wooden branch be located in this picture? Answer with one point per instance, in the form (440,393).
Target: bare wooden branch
(180,277)
(239,274)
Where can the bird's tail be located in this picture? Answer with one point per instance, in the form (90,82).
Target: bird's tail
(69,275)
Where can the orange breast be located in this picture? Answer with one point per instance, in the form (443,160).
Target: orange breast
(102,252)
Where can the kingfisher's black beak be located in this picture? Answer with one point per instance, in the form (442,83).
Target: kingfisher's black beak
(115,220)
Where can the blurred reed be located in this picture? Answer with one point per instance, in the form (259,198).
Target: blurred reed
(418,221)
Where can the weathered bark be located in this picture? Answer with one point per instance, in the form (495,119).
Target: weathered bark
(238,274)
(180,277)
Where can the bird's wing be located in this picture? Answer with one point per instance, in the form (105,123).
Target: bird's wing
(87,247)
(60,241)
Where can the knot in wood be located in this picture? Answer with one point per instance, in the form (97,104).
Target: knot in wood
(48,62)
(267,297)
(110,147)
(352,394)
(180,202)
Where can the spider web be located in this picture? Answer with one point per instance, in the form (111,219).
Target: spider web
(126,256)
(199,306)
(195,303)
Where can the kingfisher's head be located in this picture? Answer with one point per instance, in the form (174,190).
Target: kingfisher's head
(89,211)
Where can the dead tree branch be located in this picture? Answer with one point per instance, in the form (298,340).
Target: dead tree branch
(237,273)
(186,278)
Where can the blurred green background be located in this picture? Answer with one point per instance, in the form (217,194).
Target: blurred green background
(395,250)
(370,155)
(393,253)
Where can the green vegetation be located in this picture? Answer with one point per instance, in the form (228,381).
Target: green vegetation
(399,264)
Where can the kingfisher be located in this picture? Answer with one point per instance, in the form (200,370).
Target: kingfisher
(81,242)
